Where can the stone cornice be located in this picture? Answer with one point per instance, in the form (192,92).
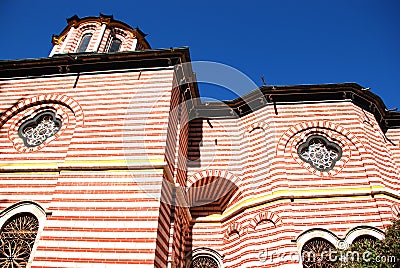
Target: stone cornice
(281,95)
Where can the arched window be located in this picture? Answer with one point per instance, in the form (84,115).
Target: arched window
(16,240)
(115,45)
(204,258)
(83,45)
(315,254)
(204,262)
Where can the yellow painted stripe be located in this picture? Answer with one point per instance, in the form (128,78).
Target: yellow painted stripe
(153,171)
(95,161)
(251,203)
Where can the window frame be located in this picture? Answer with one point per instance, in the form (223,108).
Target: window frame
(26,207)
(85,34)
(110,44)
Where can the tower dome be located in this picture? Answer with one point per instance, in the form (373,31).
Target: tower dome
(101,34)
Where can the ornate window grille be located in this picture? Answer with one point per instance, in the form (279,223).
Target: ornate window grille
(315,254)
(320,153)
(38,129)
(17,238)
(204,262)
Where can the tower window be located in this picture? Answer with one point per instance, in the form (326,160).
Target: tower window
(17,238)
(83,45)
(115,45)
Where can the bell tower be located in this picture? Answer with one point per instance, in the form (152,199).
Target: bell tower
(101,34)
(93,133)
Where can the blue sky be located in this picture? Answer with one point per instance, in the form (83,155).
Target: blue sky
(288,41)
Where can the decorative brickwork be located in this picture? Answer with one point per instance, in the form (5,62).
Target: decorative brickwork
(266,216)
(125,178)
(25,125)
(343,145)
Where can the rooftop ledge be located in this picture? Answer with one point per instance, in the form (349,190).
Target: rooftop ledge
(75,63)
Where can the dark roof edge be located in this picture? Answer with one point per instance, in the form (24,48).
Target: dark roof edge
(246,104)
(87,62)
(267,95)
(76,63)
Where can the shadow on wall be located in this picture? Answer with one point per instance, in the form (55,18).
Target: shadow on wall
(195,141)
(210,195)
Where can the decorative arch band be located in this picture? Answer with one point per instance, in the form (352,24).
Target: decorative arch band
(266,216)
(43,99)
(284,140)
(212,173)
(234,228)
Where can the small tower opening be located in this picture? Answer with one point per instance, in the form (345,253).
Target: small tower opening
(115,45)
(83,45)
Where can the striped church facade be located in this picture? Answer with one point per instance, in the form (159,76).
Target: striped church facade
(139,172)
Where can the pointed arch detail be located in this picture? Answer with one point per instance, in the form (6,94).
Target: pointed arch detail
(284,139)
(234,228)
(72,104)
(254,126)
(212,173)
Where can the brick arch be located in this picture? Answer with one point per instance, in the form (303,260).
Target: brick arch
(284,139)
(88,26)
(122,33)
(43,99)
(125,36)
(266,216)
(361,231)
(308,235)
(261,125)
(212,173)
(234,228)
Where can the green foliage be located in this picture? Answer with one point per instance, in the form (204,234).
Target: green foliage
(391,243)
(374,254)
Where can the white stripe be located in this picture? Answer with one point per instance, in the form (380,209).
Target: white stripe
(93,255)
(93,245)
(102,224)
(88,265)
(111,234)
(100,204)
(114,196)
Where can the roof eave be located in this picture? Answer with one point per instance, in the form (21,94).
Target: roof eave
(274,95)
